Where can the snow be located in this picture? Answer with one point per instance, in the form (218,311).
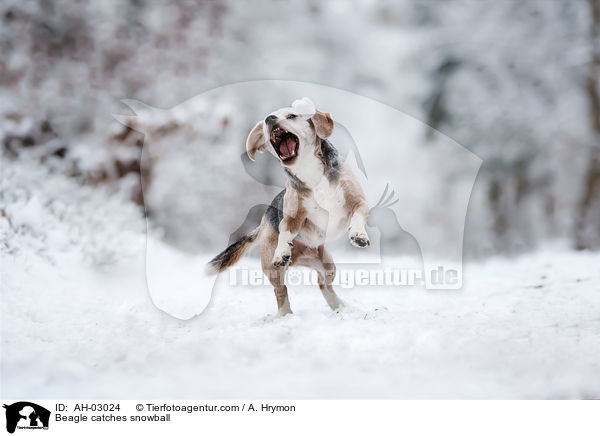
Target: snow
(73,327)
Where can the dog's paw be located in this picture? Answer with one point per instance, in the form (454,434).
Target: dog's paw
(359,239)
(282,261)
(283,258)
(269,318)
(284,311)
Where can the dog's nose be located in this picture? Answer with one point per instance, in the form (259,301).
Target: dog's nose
(270,119)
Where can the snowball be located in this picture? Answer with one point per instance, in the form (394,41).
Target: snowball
(305,107)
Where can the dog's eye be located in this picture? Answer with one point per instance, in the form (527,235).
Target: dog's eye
(291,116)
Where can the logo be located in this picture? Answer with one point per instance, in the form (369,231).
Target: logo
(419,194)
(26,415)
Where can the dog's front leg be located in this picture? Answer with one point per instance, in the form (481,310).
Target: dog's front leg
(356,230)
(283,252)
(356,205)
(294,215)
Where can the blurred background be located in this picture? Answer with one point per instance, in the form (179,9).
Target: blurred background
(517,83)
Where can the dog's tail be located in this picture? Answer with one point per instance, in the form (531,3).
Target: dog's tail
(233,253)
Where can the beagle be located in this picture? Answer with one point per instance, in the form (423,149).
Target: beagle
(322,199)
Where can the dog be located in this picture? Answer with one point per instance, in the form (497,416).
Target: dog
(321,201)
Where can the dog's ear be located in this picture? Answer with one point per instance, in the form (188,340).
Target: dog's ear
(255,141)
(323,124)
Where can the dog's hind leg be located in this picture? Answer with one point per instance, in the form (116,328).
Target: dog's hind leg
(329,294)
(275,275)
(322,262)
(281,294)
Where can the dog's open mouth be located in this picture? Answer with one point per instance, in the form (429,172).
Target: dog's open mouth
(285,144)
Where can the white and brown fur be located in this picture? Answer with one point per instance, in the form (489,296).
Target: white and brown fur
(322,200)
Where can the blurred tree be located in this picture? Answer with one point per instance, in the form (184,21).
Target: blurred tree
(591,185)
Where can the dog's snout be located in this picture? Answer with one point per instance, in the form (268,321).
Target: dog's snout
(270,119)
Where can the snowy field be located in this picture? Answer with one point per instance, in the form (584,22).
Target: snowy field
(78,322)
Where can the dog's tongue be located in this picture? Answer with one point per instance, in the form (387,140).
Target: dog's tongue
(287,147)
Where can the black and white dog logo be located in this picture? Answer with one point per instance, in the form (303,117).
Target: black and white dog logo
(26,415)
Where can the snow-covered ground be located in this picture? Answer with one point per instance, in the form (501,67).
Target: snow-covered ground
(77,326)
